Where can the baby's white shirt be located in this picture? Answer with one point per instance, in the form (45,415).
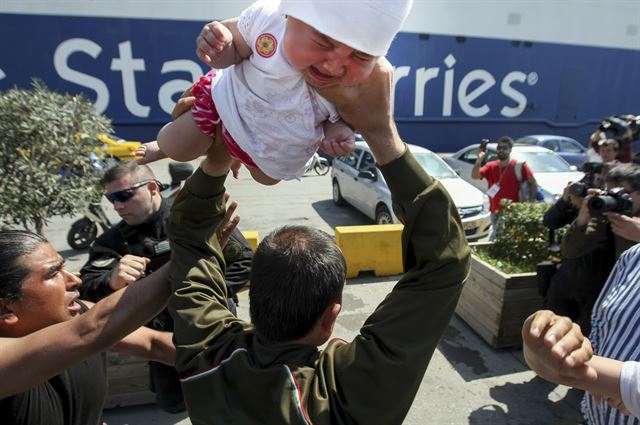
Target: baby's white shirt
(265,104)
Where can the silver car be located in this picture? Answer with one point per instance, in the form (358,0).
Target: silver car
(356,180)
(552,173)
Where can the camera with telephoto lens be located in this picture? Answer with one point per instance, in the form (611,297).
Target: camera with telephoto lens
(588,181)
(615,200)
(615,127)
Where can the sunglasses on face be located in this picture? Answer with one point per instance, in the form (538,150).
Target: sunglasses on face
(125,194)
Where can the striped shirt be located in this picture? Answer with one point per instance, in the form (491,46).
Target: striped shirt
(615,330)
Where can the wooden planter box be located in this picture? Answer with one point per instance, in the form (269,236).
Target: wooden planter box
(128,381)
(495,305)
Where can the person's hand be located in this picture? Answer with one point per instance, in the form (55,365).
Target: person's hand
(481,155)
(183,104)
(624,226)
(229,222)
(584,216)
(367,108)
(578,202)
(213,40)
(129,269)
(339,139)
(555,348)
(218,160)
(613,402)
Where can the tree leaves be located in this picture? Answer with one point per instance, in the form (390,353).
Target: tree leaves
(46,139)
(522,240)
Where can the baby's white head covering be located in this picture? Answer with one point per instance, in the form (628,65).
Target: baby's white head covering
(365,25)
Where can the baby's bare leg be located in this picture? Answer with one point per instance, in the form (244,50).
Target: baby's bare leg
(261,177)
(149,152)
(182,139)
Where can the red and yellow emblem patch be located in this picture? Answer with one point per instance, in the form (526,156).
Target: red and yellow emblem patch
(266,45)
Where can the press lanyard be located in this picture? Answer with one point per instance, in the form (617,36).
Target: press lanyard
(501,173)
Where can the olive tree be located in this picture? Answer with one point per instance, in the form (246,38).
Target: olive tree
(46,162)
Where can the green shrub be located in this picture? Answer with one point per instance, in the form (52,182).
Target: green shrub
(45,143)
(522,240)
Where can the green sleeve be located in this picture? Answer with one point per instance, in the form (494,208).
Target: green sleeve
(198,303)
(579,241)
(385,364)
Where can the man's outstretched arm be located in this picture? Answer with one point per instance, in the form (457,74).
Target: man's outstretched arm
(34,358)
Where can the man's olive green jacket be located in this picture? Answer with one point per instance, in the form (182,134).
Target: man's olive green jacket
(232,376)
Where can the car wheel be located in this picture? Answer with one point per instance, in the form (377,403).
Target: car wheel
(82,233)
(383,216)
(337,196)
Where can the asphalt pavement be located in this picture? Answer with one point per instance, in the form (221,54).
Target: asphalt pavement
(467,381)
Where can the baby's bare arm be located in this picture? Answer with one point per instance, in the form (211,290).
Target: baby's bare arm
(221,45)
(339,139)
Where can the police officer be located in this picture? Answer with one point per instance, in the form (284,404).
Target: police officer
(138,246)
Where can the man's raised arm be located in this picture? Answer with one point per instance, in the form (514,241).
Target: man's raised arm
(198,303)
(397,341)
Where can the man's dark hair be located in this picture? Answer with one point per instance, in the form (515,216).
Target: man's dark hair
(506,139)
(297,272)
(125,168)
(631,175)
(14,245)
(619,173)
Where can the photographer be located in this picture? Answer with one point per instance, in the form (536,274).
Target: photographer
(138,246)
(591,229)
(609,151)
(622,225)
(502,178)
(623,128)
(577,282)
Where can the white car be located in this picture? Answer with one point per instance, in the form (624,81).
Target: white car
(552,173)
(357,180)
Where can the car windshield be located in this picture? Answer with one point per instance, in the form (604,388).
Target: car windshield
(434,165)
(526,141)
(542,162)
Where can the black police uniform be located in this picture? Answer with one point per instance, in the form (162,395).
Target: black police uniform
(148,239)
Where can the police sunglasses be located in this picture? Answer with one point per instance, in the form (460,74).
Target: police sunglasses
(125,194)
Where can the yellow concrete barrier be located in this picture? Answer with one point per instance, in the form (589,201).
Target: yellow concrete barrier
(252,237)
(376,248)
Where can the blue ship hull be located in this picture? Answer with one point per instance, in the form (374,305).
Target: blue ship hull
(449,91)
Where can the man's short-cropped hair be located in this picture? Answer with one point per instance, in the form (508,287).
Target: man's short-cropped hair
(620,173)
(506,139)
(632,176)
(125,168)
(297,272)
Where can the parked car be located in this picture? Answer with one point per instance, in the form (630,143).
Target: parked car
(551,171)
(569,149)
(357,180)
(117,148)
